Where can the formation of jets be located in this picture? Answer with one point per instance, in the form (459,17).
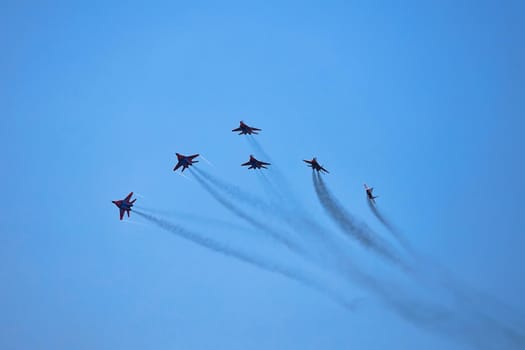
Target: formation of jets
(185,162)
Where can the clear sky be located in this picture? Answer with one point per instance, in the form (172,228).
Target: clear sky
(424,100)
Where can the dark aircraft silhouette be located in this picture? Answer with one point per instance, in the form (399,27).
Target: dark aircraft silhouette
(255,164)
(369,194)
(125,204)
(314,165)
(245,129)
(185,161)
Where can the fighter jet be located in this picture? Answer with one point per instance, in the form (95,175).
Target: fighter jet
(125,204)
(369,194)
(185,161)
(245,129)
(314,165)
(255,164)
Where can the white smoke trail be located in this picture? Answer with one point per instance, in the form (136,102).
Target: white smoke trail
(207,161)
(252,259)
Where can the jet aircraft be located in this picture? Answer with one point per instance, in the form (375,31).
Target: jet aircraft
(369,194)
(246,130)
(315,165)
(125,204)
(185,161)
(255,164)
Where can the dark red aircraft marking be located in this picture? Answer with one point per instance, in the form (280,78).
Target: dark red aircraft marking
(125,205)
(185,161)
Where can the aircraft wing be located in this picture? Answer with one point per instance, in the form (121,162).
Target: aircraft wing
(193,156)
(238,129)
(128,197)
(245,164)
(326,171)
(177,166)
(264,163)
(307,161)
(256,129)
(121,213)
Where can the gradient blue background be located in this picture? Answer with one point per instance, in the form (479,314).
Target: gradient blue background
(422,99)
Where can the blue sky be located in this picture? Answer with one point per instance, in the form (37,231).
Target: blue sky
(423,100)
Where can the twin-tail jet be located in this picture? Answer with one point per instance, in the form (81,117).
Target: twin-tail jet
(255,164)
(125,204)
(369,194)
(244,129)
(315,165)
(185,161)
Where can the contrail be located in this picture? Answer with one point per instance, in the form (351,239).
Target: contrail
(270,187)
(234,191)
(449,321)
(247,198)
(421,314)
(289,216)
(454,322)
(257,147)
(462,294)
(478,330)
(347,223)
(184,176)
(200,219)
(207,161)
(391,228)
(278,236)
(249,258)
